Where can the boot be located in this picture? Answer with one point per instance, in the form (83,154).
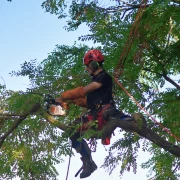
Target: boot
(88,167)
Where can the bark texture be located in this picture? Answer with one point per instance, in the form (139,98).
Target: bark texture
(139,126)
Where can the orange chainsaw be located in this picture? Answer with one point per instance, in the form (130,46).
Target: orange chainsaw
(54,108)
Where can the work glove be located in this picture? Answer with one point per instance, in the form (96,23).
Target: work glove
(73,94)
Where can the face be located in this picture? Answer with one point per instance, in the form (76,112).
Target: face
(89,70)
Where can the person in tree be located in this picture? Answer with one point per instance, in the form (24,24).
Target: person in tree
(97,98)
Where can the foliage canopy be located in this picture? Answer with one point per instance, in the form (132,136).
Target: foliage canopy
(32,141)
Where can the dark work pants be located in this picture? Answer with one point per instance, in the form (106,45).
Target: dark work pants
(80,145)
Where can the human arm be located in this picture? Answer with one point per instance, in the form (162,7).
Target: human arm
(78,93)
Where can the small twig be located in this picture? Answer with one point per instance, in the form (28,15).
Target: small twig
(20,137)
(178,165)
(3,81)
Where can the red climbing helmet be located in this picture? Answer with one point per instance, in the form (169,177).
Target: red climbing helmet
(93,55)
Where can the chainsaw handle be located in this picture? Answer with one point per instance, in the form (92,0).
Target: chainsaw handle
(50,100)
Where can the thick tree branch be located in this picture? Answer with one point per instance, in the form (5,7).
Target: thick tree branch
(138,126)
(15,125)
(143,131)
(34,109)
(53,121)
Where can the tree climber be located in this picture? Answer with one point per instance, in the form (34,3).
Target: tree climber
(97,98)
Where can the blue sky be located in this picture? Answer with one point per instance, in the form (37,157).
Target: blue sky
(27,33)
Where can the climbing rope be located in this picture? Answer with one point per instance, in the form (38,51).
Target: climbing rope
(68,165)
(132,34)
(120,66)
(164,128)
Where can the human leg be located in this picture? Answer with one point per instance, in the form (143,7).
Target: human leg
(109,112)
(113,112)
(82,147)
